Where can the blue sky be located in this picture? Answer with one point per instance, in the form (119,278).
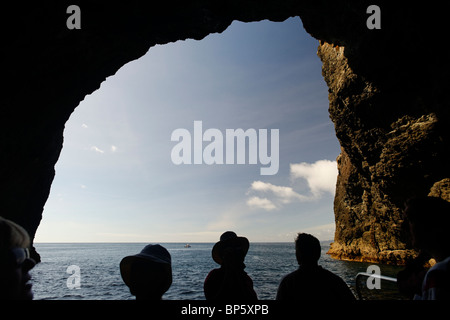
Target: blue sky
(115,180)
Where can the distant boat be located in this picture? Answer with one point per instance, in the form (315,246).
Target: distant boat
(187,245)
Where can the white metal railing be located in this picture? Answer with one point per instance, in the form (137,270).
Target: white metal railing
(386,289)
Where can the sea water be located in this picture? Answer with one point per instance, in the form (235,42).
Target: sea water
(96,269)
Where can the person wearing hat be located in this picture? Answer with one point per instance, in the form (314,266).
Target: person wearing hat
(15,262)
(148,274)
(230,281)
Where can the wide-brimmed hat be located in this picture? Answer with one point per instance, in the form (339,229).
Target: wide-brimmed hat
(229,239)
(155,256)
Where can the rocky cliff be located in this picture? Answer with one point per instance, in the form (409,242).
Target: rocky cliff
(391,118)
(387,92)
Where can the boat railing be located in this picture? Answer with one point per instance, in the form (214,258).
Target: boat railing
(385,288)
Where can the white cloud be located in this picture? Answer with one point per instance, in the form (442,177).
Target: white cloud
(84,125)
(264,203)
(94,148)
(113,148)
(284,194)
(320,177)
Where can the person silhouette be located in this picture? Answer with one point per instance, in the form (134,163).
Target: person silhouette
(15,262)
(427,220)
(148,274)
(230,281)
(310,281)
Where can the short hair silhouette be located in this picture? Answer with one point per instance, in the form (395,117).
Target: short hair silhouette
(310,281)
(428,210)
(307,249)
(427,220)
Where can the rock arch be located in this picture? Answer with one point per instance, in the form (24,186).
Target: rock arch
(387,92)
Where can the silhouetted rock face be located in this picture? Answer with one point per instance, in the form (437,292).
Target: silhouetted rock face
(388,97)
(391,149)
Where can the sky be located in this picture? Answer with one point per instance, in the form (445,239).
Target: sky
(116,179)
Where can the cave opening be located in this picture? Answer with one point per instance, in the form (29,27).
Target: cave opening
(115,181)
(387,97)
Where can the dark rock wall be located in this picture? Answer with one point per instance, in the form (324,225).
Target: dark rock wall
(388,103)
(386,90)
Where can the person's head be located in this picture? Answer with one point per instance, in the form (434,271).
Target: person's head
(231,249)
(149,273)
(307,249)
(428,220)
(15,261)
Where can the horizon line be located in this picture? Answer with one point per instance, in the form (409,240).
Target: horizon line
(155,242)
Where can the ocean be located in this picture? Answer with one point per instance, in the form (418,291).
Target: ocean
(90,271)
